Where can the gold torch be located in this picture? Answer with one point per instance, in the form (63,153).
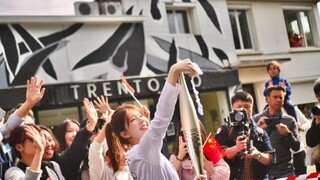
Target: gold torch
(190,126)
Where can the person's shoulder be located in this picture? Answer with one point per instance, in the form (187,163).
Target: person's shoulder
(222,130)
(13,173)
(257,116)
(13,169)
(287,117)
(283,79)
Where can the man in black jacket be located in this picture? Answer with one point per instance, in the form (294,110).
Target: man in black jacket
(260,155)
(313,134)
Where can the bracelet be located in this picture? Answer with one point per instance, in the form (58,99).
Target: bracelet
(259,156)
(179,159)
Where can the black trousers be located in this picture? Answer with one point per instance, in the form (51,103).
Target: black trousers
(299,163)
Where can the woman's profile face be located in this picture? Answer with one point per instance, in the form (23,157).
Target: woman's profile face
(71,131)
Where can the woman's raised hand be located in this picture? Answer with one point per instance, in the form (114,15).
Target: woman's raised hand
(92,114)
(38,138)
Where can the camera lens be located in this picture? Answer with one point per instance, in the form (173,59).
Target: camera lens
(238,116)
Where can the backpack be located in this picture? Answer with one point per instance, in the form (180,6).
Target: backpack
(6,158)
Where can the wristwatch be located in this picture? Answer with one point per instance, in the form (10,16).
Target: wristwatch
(259,156)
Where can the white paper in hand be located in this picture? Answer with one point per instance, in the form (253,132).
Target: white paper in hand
(197,68)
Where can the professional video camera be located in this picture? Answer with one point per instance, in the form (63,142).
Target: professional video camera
(238,119)
(316,110)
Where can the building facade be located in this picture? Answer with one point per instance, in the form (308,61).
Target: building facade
(84,55)
(265,28)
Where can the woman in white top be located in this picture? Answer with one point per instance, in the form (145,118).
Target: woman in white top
(113,165)
(131,125)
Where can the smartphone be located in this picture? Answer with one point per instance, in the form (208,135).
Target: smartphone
(2,114)
(182,135)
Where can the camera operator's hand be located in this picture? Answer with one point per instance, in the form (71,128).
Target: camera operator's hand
(241,143)
(254,153)
(283,129)
(262,122)
(183,150)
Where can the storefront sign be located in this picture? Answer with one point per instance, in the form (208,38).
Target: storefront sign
(73,93)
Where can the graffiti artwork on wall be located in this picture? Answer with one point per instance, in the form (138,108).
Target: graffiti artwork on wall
(83,51)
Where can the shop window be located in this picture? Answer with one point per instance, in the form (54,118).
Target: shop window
(298,28)
(53,117)
(178,21)
(240,29)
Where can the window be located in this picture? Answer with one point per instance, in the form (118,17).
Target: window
(298,28)
(178,21)
(240,29)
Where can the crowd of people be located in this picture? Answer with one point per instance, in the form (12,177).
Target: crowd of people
(123,144)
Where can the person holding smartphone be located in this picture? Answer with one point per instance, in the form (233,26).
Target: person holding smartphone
(183,164)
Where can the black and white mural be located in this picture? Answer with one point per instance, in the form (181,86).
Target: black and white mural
(71,52)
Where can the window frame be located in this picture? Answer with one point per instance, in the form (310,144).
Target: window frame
(311,23)
(251,28)
(189,10)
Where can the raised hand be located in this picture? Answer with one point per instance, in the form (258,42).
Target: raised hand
(145,111)
(39,143)
(35,91)
(37,137)
(92,114)
(103,104)
(34,94)
(182,66)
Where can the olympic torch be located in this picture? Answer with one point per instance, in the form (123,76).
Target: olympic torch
(190,127)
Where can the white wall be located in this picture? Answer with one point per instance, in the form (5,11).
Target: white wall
(271,37)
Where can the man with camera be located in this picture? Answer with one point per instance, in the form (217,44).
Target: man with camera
(313,134)
(282,130)
(248,149)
